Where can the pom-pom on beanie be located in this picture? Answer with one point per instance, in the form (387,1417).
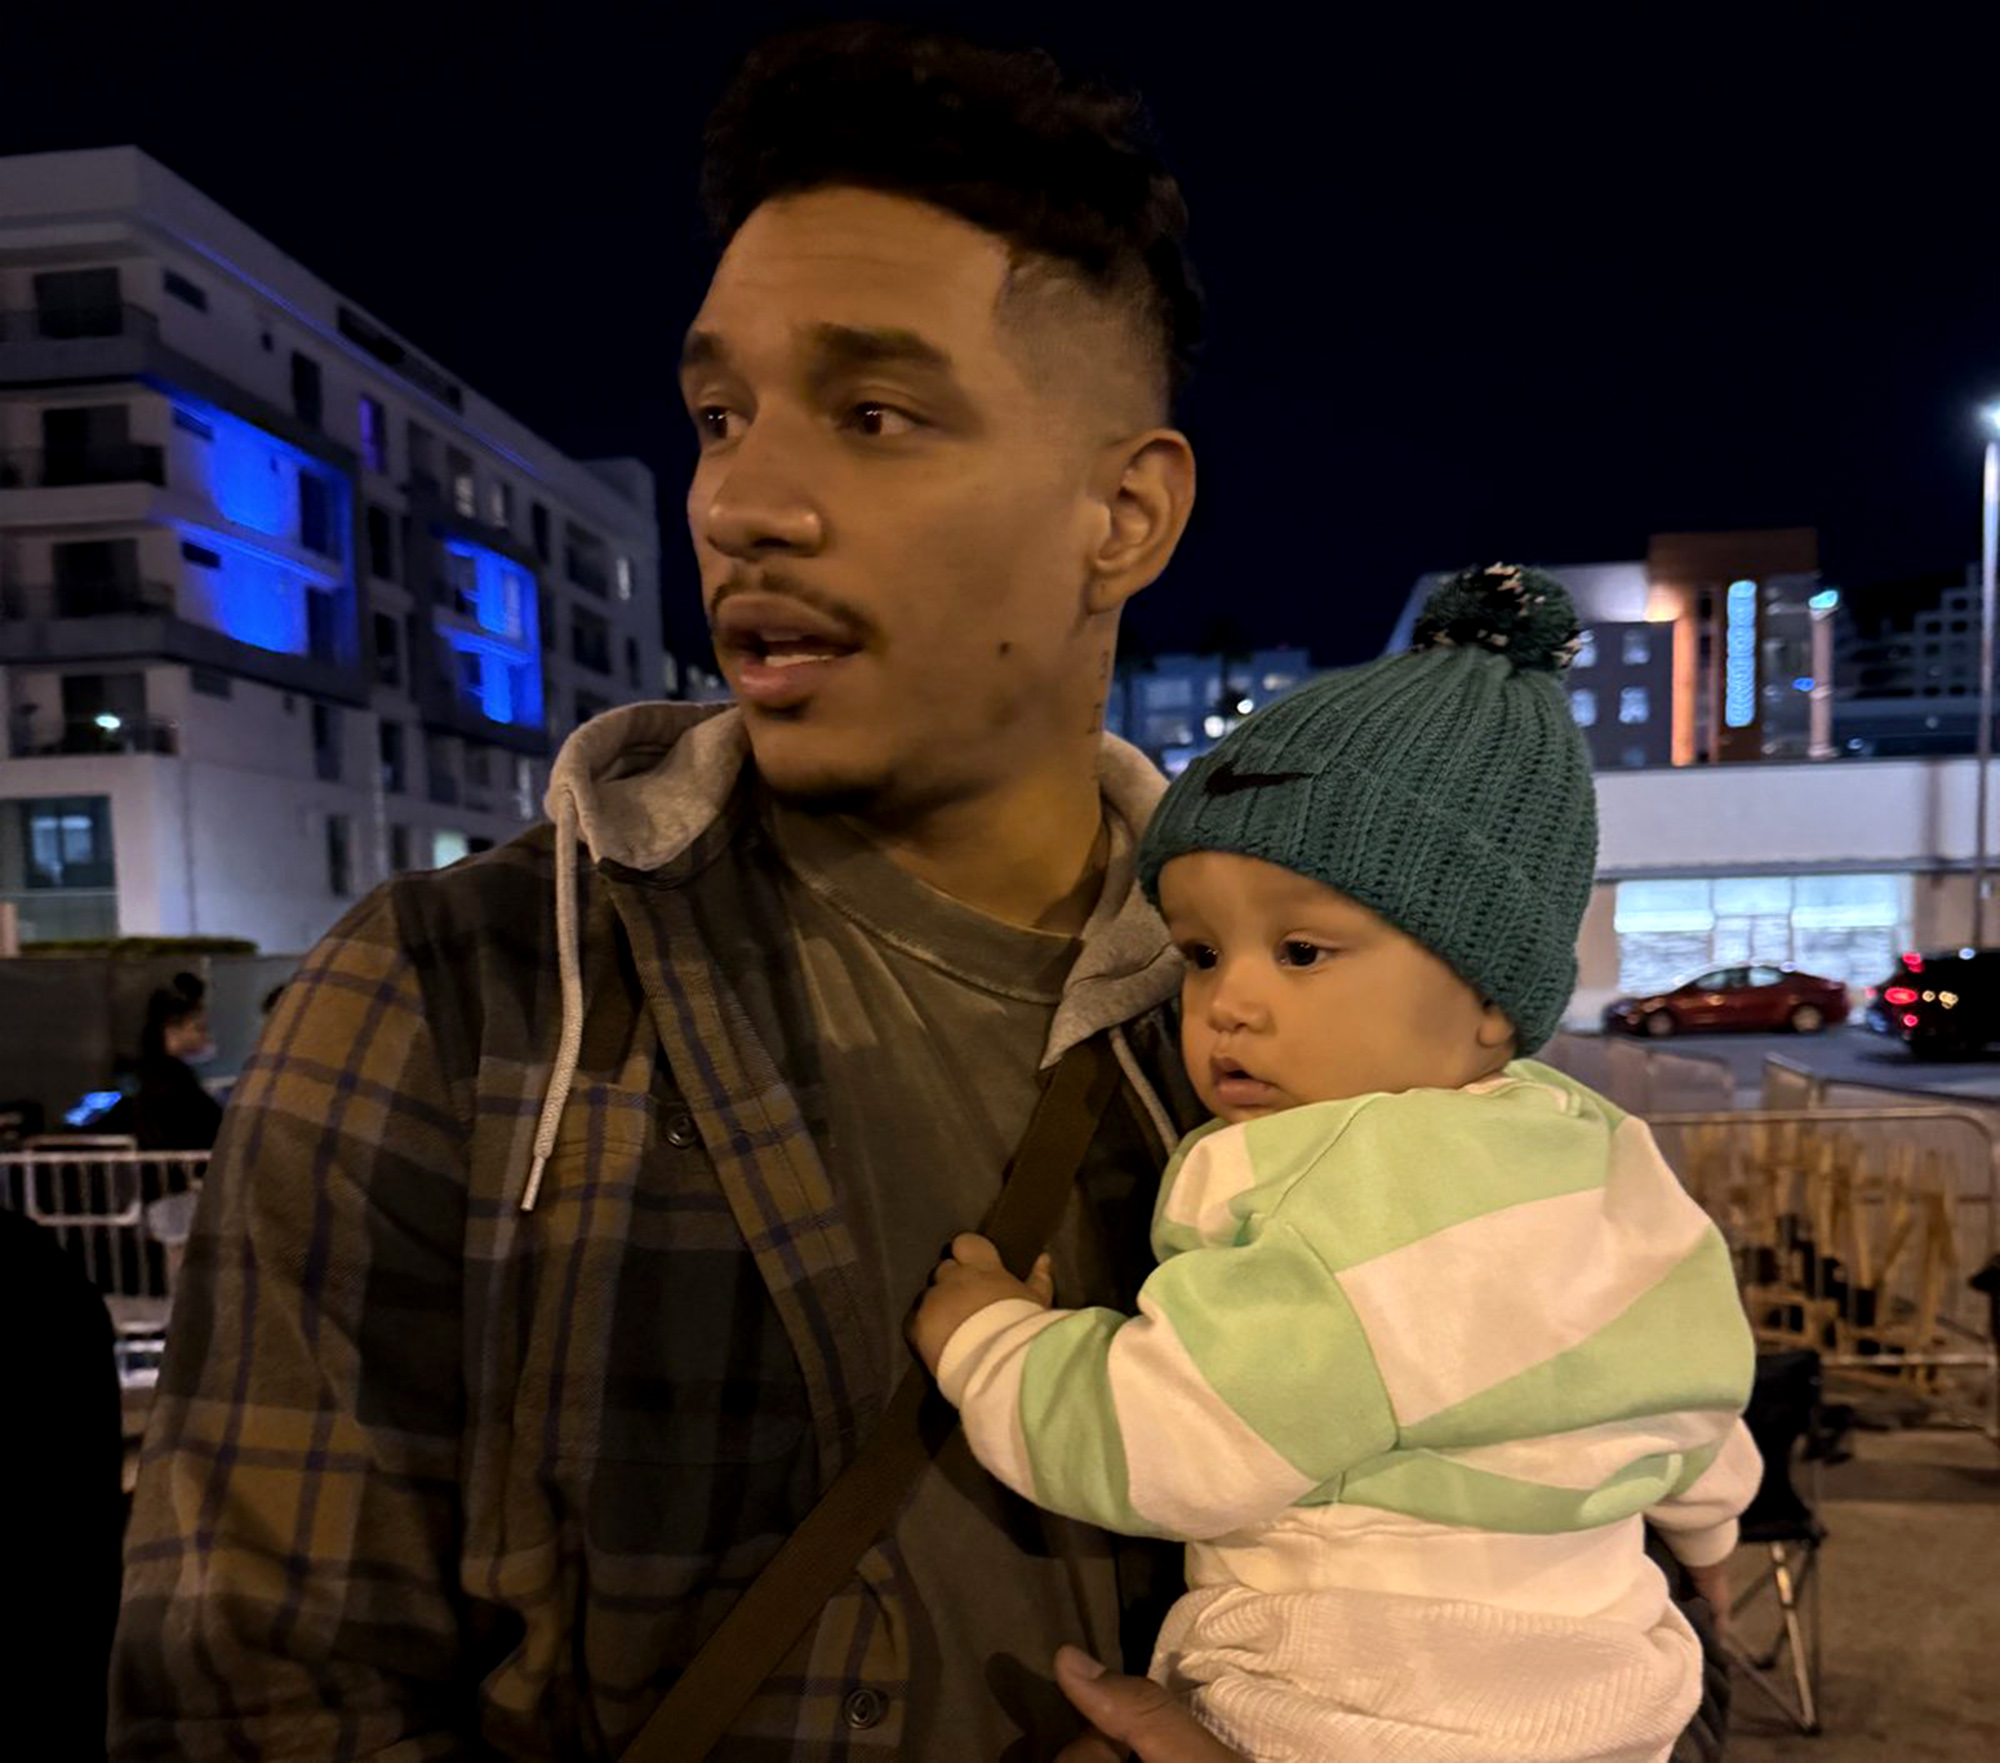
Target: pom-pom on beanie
(1447,789)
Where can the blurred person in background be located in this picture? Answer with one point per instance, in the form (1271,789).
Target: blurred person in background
(165,1105)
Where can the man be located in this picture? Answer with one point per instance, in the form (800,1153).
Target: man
(553,1262)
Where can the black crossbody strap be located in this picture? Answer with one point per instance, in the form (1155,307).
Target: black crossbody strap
(817,1559)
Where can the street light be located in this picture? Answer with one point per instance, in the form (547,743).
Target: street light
(1989,532)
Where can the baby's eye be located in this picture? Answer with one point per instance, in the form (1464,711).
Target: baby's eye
(1198,955)
(1296,952)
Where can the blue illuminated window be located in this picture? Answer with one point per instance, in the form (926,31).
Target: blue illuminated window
(488,618)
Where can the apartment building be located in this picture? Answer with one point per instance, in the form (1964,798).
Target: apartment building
(285,607)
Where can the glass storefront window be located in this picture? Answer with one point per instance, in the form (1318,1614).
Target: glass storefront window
(1845,927)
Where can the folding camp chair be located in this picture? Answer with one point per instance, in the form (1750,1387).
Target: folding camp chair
(1794,1427)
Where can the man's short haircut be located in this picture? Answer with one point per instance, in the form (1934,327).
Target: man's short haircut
(1064,172)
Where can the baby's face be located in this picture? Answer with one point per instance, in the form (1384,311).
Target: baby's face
(1295,993)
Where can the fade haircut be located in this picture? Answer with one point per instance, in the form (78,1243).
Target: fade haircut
(1067,174)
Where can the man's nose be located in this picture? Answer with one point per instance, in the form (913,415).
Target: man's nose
(759,502)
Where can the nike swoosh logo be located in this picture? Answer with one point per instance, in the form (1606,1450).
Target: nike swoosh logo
(1226,780)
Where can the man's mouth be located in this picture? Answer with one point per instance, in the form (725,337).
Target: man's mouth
(777,653)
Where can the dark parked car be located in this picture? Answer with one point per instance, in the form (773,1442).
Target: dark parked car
(1940,1006)
(1750,997)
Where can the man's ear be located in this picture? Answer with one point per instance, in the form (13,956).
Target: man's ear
(1146,488)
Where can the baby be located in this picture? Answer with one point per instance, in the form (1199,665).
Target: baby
(1434,1330)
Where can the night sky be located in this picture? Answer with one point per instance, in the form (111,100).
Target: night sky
(1521,281)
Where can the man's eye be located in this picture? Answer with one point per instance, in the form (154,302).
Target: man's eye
(1296,952)
(712,422)
(1198,955)
(881,421)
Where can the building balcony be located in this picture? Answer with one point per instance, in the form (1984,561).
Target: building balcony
(93,735)
(50,346)
(87,599)
(49,915)
(123,462)
(431,505)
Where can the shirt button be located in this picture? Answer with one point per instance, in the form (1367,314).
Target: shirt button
(864,1708)
(681,1132)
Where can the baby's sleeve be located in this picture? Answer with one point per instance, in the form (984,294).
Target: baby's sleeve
(1699,1517)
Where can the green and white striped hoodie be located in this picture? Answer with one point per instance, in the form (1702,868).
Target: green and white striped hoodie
(1492,1308)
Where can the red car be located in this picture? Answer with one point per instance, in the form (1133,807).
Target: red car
(1734,997)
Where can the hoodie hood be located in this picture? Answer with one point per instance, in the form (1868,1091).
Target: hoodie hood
(639,784)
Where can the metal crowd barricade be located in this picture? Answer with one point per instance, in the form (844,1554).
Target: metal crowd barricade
(1855,1232)
(122,1213)
(1642,1078)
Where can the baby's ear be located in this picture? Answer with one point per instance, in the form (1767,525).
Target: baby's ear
(1495,1031)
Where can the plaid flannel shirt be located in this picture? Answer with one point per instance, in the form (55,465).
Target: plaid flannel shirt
(431,1477)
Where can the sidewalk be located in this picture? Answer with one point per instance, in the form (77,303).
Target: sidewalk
(1910,1596)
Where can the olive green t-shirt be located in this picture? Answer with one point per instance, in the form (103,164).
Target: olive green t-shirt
(930,1021)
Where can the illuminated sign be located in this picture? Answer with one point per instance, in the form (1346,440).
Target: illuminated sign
(1739,666)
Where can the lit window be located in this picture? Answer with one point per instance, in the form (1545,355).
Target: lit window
(1638,648)
(1632,705)
(624,575)
(464,487)
(500,504)
(1583,706)
(1586,651)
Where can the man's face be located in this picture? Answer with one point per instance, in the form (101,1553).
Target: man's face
(892,523)
(1295,993)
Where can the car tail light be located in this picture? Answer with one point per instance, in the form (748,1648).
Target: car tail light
(1914,962)
(1871,994)
(1899,995)
(1909,1019)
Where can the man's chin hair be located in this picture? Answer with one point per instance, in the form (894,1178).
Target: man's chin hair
(824,788)
(826,795)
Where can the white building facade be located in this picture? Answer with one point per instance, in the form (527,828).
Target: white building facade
(284,607)
(1735,833)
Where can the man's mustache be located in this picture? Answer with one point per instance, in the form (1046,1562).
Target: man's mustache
(787,587)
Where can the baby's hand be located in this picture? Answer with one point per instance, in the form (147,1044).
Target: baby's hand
(1717,1585)
(967,1281)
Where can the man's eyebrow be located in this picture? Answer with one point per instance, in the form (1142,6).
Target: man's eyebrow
(703,349)
(836,349)
(840,346)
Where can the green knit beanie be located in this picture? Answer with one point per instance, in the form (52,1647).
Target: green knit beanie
(1447,789)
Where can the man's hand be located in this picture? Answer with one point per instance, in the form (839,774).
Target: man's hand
(1131,1713)
(969,1279)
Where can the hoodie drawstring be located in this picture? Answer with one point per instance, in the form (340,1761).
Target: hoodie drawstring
(1128,1062)
(569,963)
